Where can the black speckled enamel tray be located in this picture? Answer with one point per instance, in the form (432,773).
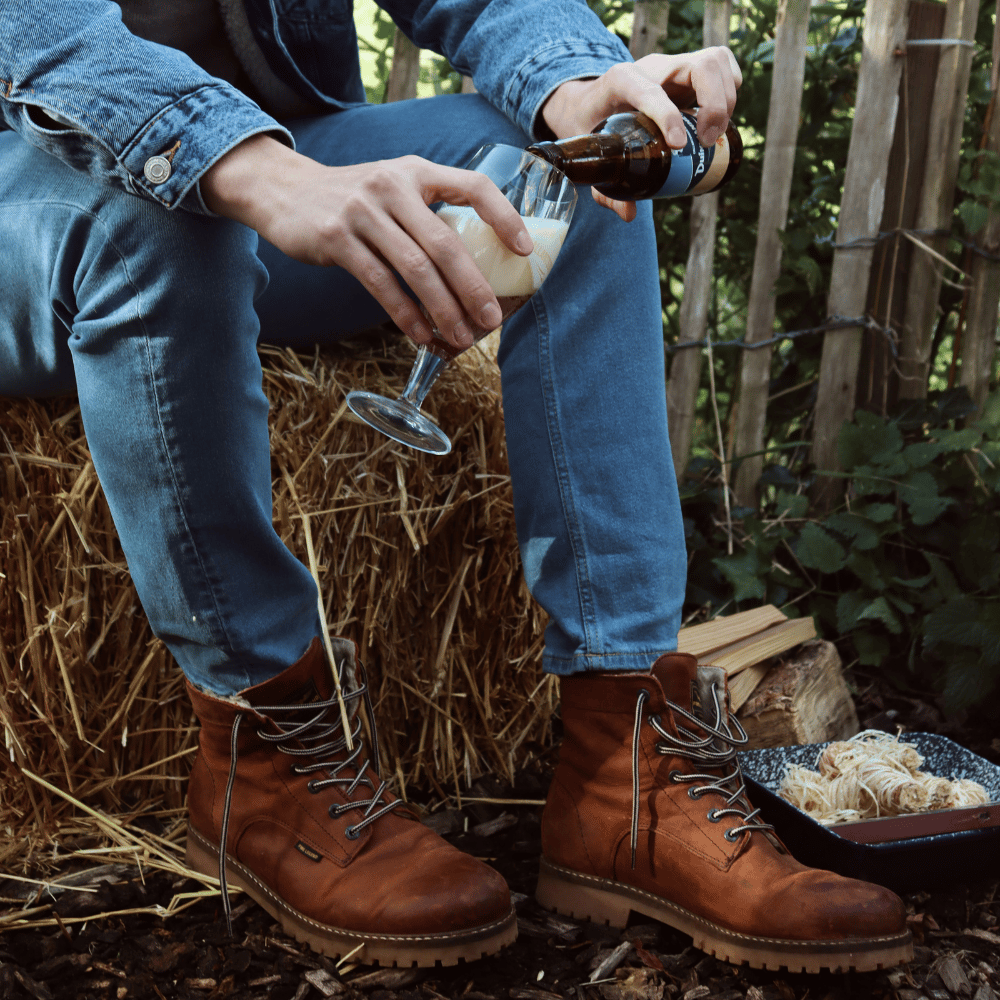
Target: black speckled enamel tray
(925,851)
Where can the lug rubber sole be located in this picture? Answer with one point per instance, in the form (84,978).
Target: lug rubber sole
(402,950)
(603,901)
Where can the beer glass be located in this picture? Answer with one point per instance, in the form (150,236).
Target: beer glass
(545,199)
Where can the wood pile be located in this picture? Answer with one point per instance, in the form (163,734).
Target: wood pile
(416,559)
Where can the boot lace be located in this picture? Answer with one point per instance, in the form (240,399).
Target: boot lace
(716,750)
(315,730)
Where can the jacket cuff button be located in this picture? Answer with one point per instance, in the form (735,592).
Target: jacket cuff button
(157,169)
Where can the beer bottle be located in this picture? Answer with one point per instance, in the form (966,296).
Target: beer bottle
(627,158)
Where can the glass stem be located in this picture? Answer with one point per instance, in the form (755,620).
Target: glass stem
(424,374)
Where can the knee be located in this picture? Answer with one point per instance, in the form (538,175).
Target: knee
(175,271)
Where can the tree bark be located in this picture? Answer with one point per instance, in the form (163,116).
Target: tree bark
(649,27)
(775,187)
(937,197)
(405,72)
(983,297)
(876,104)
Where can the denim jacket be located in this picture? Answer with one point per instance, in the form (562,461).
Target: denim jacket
(125,100)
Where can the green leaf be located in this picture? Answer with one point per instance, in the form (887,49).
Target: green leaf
(870,479)
(872,649)
(919,491)
(916,583)
(879,610)
(792,504)
(960,440)
(968,680)
(943,575)
(741,571)
(878,512)
(956,621)
(922,453)
(866,571)
(818,550)
(973,216)
(869,440)
(862,532)
(850,604)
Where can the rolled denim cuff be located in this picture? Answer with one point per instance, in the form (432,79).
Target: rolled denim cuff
(540,75)
(187,138)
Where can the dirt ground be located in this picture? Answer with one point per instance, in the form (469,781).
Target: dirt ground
(190,955)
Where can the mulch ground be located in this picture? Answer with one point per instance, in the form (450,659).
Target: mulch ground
(190,955)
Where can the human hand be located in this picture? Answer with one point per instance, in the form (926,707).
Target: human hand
(658,85)
(372,219)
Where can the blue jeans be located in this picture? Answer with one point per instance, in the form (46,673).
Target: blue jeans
(152,318)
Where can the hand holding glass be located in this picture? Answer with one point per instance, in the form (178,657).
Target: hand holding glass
(545,199)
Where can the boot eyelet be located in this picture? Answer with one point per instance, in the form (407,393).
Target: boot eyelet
(729,835)
(333,812)
(693,794)
(713,816)
(311,785)
(673,776)
(352,833)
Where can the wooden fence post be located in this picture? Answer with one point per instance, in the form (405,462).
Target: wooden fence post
(878,377)
(785,106)
(649,27)
(860,211)
(983,295)
(685,370)
(936,197)
(405,72)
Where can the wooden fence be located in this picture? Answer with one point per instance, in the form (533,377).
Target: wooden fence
(905,140)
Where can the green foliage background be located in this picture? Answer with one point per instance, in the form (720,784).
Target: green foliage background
(905,576)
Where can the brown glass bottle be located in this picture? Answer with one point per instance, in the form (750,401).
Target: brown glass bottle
(626,158)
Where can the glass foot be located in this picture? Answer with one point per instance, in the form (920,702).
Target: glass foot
(401,421)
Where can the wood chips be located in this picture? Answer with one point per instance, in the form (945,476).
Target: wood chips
(417,561)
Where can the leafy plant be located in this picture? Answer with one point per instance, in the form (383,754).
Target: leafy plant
(906,574)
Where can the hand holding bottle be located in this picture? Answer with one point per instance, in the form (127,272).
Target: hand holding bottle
(658,85)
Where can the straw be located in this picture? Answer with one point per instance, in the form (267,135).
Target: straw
(417,562)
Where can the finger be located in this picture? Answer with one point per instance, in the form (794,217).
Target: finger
(432,261)
(377,277)
(440,261)
(625,210)
(716,94)
(466,187)
(625,85)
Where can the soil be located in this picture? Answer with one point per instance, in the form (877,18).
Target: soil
(191,955)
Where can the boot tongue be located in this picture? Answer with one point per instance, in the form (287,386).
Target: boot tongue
(307,680)
(677,674)
(690,686)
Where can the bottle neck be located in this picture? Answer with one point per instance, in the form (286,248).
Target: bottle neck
(585,159)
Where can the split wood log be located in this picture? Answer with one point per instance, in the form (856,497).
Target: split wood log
(937,197)
(685,370)
(405,72)
(649,27)
(803,699)
(983,295)
(878,382)
(860,211)
(775,188)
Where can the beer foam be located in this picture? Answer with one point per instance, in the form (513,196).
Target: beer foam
(508,273)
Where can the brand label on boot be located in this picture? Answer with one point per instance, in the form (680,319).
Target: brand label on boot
(311,854)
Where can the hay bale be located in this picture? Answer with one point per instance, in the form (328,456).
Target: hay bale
(417,561)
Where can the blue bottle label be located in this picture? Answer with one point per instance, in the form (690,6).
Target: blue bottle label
(688,166)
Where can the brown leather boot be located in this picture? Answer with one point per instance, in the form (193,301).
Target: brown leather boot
(314,836)
(646,813)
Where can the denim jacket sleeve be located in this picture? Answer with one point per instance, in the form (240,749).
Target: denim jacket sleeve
(117,100)
(517,51)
